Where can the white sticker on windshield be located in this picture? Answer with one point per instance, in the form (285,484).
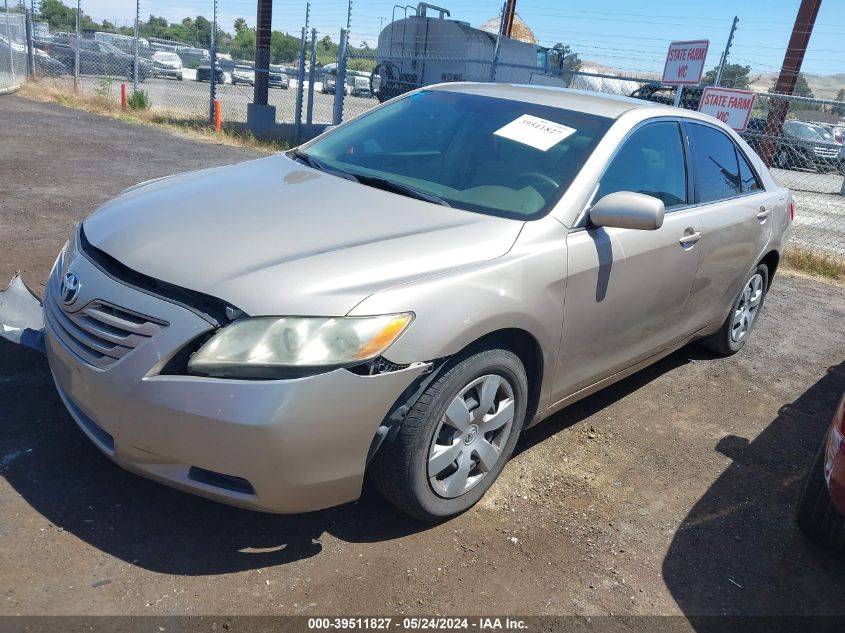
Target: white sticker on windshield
(535,132)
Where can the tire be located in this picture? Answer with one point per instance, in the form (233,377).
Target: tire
(400,469)
(817,517)
(728,340)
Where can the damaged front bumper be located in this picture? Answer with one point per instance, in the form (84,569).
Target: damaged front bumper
(21,315)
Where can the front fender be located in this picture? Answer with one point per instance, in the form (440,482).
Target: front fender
(523,289)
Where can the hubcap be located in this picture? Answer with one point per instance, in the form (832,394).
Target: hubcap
(747,308)
(470,436)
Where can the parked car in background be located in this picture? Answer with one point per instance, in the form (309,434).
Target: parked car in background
(800,146)
(839,134)
(658,93)
(204,73)
(361,87)
(45,65)
(243,75)
(821,511)
(97,58)
(168,64)
(482,256)
(278,78)
(329,83)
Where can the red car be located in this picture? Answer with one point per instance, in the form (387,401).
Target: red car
(821,512)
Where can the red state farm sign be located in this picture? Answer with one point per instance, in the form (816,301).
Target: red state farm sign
(685,62)
(729,106)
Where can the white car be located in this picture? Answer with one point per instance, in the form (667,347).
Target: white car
(167,64)
(243,75)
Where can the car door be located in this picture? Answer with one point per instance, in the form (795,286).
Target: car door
(736,215)
(627,290)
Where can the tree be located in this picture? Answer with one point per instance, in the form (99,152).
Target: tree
(802,88)
(733,76)
(326,43)
(365,46)
(840,109)
(561,56)
(240,25)
(62,18)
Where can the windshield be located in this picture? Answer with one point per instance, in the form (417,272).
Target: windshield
(479,153)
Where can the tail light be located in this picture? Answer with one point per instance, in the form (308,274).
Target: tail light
(791,206)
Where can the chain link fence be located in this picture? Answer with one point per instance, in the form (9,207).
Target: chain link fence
(14,57)
(316,83)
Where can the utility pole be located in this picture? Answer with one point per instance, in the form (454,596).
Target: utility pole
(789,72)
(307,14)
(349,15)
(380,22)
(510,13)
(727,50)
(135,62)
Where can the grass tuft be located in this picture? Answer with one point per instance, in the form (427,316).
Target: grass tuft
(102,102)
(816,264)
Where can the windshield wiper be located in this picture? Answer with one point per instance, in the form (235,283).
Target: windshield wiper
(395,187)
(372,181)
(317,164)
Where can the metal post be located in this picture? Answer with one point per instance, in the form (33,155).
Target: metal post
(297,122)
(135,47)
(312,76)
(678,96)
(724,59)
(30,47)
(349,15)
(212,91)
(76,48)
(9,38)
(337,116)
(495,59)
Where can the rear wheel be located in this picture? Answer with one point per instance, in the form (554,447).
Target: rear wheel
(817,516)
(732,336)
(456,439)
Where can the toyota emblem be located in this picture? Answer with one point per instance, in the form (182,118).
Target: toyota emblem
(69,288)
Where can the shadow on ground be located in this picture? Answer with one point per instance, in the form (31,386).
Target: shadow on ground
(739,543)
(78,489)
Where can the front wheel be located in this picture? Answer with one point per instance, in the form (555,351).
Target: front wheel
(745,311)
(456,439)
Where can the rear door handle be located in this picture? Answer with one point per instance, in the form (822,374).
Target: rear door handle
(690,238)
(763,214)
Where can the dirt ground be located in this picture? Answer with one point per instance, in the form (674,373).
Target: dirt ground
(669,493)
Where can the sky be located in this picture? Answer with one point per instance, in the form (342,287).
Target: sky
(630,35)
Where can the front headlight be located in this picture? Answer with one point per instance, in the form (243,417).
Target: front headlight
(265,347)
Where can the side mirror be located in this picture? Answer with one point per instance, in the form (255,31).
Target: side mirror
(628,210)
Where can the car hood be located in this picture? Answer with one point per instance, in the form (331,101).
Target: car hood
(272,236)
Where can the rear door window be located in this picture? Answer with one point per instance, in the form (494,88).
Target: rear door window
(715,164)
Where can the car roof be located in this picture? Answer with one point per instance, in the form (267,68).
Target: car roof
(610,106)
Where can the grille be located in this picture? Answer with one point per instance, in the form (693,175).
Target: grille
(826,152)
(100,334)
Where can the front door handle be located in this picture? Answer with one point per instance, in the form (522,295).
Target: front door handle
(690,238)
(763,214)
